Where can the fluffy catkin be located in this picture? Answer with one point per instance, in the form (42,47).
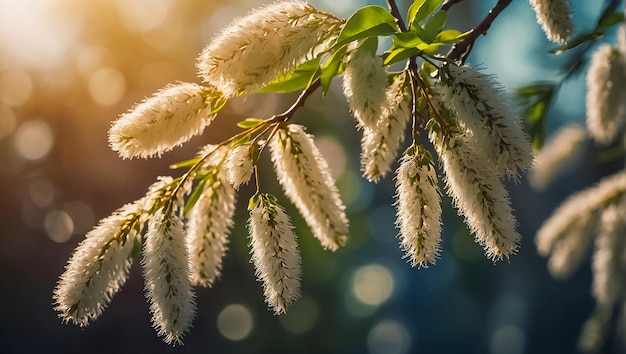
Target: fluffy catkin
(166,273)
(209,222)
(364,82)
(476,100)
(608,256)
(606,94)
(578,206)
(570,250)
(269,41)
(239,165)
(275,254)
(557,154)
(306,179)
(167,119)
(98,268)
(379,146)
(418,208)
(554,16)
(479,195)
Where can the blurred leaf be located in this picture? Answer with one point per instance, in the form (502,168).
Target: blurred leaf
(607,20)
(576,41)
(184,164)
(298,79)
(367,22)
(249,123)
(537,98)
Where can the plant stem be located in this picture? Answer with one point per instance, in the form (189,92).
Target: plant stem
(393,8)
(448,4)
(461,51)
(288,114)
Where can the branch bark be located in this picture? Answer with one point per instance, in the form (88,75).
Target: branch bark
(461,51)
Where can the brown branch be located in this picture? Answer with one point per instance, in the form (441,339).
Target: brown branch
(288,114)
(448,4)
(461,51)
(393,8)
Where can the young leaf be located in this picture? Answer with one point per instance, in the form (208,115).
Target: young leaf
(451,36)
(420,10)
(184,164)
(249,123)
(331,68)
(366,22)
(193,198)
(398,54)
(298,79)
(406,40)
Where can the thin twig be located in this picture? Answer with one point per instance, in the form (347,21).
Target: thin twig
(461,51)
(393,8)
(288,114)
(448,4)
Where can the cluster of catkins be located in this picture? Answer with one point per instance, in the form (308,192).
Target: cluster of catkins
(599,211)
(181,226)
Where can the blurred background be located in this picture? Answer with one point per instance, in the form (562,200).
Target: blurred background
(69,67)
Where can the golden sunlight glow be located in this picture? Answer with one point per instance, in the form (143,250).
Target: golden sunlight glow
(59,226)
(33,139)
(107,86)
(16,88)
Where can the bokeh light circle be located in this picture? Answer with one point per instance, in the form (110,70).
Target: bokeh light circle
(389,337)
(372,284)
(235,322)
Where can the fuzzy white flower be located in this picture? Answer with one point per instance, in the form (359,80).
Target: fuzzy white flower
(419,208)
(477,102)
(364,82)
(608,256)
(307,181)
(557,154)
(606,94)
(239,165)
(621,43)
(275,253)
(594,332)
(479,195)
(166,273)
(570,250)
(554,16)
(167,119)
(379,146)
(267,42)
(99,267)
(579,206)
(209,223)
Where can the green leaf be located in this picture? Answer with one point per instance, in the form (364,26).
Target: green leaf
(331,68)
(576,41)
(136,247)
(451,36)
(185,164)
(254,201)
(434,26)
(609,19)
(298,79)
(249,123)
(406,40)
(367,22)
(400,54)
(195,195)
(420,10)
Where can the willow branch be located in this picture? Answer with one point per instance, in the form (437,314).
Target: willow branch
(288,114)
(448,4)
(461,51)
(393,8)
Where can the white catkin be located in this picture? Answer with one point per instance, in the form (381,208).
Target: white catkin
(607,261)
(621,44)
(98,268)
(606,94)
(571,248)
(209,223)
(306,179)
(556,155)
(595,329)
(167,119)
(269,41)
(166,273)
(275,254)
(239,165)
(364,82)
(480,196)
(418,210)
(554,16)
(477,102)
(379,146)
(580,205)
